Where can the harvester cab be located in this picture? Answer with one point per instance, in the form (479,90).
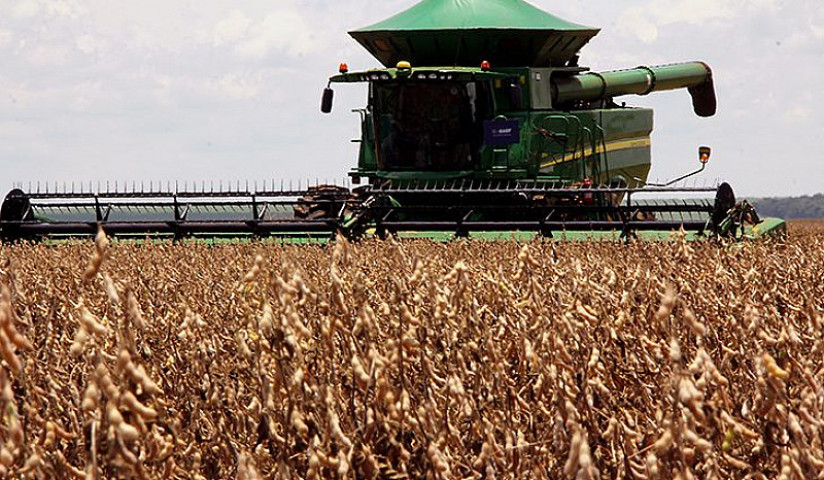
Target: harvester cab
(556,125)
(480,122)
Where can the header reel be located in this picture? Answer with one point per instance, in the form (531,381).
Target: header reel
(438,209)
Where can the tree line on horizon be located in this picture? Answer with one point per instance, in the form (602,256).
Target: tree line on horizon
(791,208)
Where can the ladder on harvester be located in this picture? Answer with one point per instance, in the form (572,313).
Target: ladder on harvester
(585,146)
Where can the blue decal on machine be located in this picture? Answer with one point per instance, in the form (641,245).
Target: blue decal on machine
(502,132)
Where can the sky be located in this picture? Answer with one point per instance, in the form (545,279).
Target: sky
(211,90)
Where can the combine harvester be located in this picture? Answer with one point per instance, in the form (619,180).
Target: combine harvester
(482,124)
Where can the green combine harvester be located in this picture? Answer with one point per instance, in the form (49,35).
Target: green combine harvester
(481,124)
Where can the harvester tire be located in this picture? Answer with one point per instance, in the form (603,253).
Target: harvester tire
(724,202)
(16,208)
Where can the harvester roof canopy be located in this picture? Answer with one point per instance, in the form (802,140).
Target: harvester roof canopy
(507,33)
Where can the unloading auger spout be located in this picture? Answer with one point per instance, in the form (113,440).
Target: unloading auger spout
(696,77)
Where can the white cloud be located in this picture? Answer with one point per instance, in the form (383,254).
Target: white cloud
(79,96)
(232,28)
(634,21)
(89,95)
(799,114)
(763,4)
(644,21)
(66,8)
(48,55)
(162,89)
(816,24)
(6,37)
(285,30)
(239,87)
(147,26)
(171,90)
(25,9)
(91,45)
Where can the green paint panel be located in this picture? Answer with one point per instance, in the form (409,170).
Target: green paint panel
(695,76)
(603,144)
(636,81)
(768,228)
(466,32)
(473,15)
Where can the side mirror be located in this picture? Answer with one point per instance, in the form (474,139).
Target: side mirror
(516,95)
(327,100)
(704,154)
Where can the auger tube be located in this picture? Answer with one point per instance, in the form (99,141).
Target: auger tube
(694,76)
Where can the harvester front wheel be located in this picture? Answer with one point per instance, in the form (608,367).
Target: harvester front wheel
(724,202)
